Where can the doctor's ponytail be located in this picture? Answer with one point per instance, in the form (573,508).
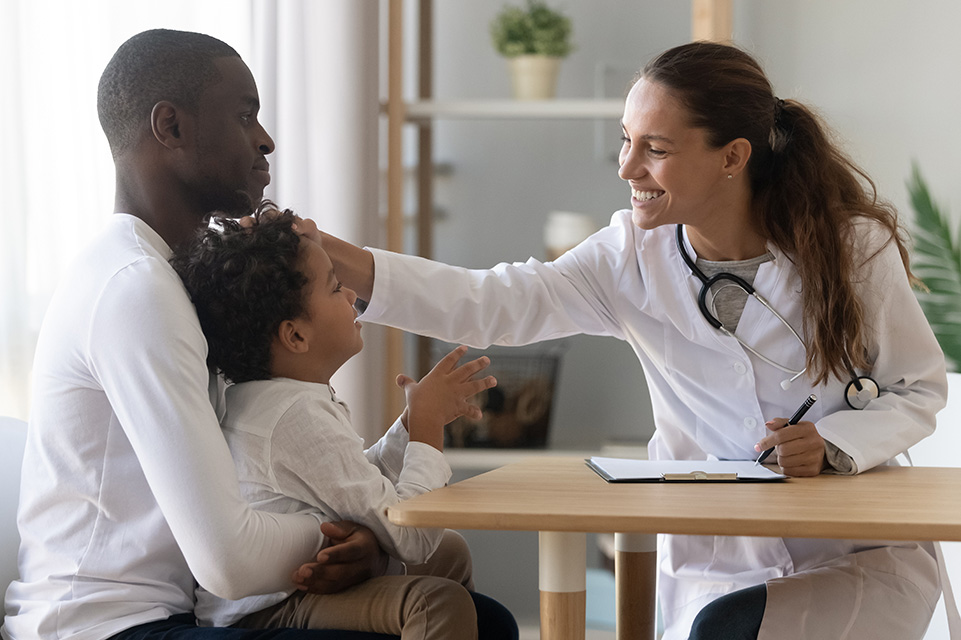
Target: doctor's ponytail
(806,193)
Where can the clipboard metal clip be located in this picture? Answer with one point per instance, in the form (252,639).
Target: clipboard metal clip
(695,476)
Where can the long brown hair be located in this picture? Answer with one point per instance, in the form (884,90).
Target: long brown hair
(806,192)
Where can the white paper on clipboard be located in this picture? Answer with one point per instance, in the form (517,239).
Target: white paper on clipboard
(628,470)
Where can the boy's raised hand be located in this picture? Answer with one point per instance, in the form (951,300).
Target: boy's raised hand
(442,395)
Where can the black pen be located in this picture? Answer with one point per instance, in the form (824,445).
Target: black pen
(811,399)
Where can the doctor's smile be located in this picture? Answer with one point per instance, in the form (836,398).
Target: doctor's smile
(645,196)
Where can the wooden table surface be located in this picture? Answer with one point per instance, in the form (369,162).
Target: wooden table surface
(563,494)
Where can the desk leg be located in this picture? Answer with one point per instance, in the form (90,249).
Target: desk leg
(562,568)
(635,571)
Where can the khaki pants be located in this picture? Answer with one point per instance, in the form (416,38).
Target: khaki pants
(430,603)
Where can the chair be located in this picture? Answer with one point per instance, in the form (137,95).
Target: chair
(940,450)
(13,437)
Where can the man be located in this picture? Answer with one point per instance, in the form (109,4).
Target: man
(129,492)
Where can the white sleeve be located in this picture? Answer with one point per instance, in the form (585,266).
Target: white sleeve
(318,459)
(387,454)
(148,353)
(510,304)
(908,366)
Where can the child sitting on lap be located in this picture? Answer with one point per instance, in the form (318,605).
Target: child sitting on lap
(278,325)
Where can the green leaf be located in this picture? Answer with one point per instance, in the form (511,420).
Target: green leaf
(536,29)
(936,261)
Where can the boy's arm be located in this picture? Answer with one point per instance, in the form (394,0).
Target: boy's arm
(318,459)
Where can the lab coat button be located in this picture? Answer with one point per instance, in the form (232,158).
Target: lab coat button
(740,368)
(750,423)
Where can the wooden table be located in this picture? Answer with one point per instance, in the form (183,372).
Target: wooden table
(563,500)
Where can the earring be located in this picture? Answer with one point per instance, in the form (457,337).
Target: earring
(729,176)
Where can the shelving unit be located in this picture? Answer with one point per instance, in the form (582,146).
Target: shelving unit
(426,111)
(710,20)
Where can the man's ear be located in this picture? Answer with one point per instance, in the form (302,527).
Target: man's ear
(736,154)
(167,125)
(292,337)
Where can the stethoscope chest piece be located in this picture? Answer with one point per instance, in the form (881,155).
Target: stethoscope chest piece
(861,391)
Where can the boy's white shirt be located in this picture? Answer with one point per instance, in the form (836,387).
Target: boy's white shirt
(296,452)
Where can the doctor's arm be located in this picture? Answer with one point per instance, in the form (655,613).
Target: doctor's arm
(354,266)
(907,364)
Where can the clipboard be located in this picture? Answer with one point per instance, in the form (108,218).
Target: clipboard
(628,470)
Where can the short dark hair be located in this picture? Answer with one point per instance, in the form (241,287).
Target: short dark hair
(155,65)
(244,281)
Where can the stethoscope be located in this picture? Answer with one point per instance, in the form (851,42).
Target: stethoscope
(860,390)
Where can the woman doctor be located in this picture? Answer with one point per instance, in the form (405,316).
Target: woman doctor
(726,178)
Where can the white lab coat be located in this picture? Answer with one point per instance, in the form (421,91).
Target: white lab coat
(711,398)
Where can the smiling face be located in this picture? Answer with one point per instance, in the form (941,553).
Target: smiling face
(329,323)
(675,176)
(229,166)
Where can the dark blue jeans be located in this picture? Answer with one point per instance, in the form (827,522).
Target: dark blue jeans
(736,616)
(494,622)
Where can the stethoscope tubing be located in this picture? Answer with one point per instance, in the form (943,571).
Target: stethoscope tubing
(858,392)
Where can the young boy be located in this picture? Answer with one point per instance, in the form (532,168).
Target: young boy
(278,326)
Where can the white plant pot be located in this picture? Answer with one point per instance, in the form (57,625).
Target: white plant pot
(534,77)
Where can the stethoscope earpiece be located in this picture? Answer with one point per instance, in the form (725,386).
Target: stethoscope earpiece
(786,384)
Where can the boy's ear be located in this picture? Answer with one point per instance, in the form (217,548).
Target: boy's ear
(292,337)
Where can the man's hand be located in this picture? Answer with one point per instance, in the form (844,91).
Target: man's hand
(351,557)
(799,447)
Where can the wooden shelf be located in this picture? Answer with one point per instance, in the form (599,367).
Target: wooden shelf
(486,459)
(514,109)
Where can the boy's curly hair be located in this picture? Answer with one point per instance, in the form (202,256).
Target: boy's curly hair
(244,281)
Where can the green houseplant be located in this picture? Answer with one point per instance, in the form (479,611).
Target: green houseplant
(936,261)
(534,39)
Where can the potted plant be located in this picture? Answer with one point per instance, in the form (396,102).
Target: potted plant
(936,261)
(534,39)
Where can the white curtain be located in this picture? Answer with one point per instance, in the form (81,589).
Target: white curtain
(316,70)
(56,174)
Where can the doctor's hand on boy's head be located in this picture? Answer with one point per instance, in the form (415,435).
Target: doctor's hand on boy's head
(442,396)
(799,448)
(303,226)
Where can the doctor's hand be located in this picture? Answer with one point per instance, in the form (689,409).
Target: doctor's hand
(304,227)
(351,556)
(799,447)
